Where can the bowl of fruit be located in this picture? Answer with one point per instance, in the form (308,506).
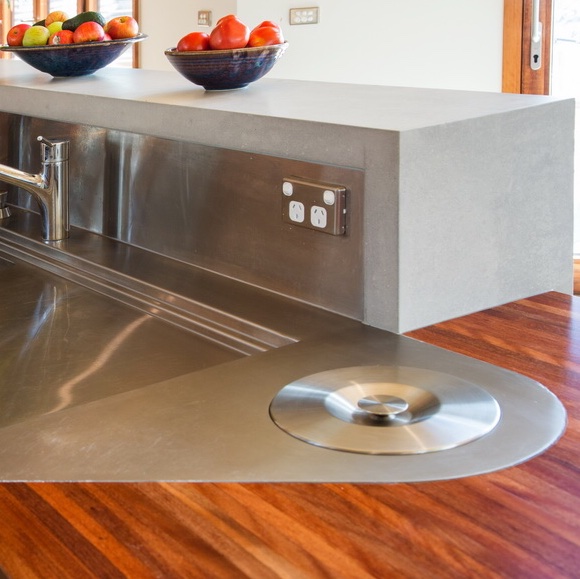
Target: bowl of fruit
(231,56)
(77,46)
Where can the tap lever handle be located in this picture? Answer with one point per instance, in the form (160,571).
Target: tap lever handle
(44,140)
(4,209)
(53,151)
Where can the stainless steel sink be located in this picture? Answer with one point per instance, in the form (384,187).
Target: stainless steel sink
(118,364)
(63,345)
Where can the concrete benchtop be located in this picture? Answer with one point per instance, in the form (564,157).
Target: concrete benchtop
(467,197)
(357,106)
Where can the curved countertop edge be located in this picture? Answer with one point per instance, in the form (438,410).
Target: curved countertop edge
(213,424)
(179,426)
(518,522)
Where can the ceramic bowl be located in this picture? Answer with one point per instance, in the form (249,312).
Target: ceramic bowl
(226,69)
(73,59)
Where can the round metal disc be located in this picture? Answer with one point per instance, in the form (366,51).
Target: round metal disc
(384,410)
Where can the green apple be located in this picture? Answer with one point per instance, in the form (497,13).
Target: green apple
(55,27)
(36,36)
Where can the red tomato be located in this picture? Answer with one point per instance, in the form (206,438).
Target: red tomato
(229,33)
(193,41)
(267,23)
(226,17)
(265,36)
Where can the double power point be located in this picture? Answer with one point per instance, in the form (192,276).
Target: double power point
(314,205)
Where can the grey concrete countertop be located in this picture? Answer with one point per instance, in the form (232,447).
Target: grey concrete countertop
(361,106)
(467,195)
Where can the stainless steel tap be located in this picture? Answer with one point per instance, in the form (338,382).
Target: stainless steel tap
(49,187)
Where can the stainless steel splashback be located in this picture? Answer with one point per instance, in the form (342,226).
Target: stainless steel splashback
(213,208)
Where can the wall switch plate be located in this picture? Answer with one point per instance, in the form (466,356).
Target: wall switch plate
(304,15)
(314,205)
(204,18)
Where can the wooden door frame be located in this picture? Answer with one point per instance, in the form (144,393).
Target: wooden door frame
(517,76)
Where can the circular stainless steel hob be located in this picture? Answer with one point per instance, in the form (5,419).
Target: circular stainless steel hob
(385,410)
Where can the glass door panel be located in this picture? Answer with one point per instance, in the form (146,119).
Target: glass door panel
(565,82)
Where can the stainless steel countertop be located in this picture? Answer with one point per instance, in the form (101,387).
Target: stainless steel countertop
(165,404)
(62,345)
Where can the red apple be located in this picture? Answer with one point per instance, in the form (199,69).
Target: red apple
(61,37)
(16,33)
(193,41)
(122,27)
(89,32)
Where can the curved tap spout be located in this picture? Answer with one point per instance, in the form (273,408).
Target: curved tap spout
(49,187)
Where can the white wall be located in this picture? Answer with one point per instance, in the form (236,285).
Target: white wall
(445,44)
(165,32)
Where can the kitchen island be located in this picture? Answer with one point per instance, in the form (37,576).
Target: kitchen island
(451,218)
(467,196)
(521,522)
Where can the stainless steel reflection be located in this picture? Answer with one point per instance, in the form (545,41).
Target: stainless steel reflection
(385,410)
(62,345)
(213,208)
(5,264)
(49,187)
(243,318)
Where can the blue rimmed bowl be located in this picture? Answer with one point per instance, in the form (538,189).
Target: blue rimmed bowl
(80,59)
(225,69)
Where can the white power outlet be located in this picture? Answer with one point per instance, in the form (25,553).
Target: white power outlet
(318,216)
(314,205)
(304,15)
(296,212)
(204,17)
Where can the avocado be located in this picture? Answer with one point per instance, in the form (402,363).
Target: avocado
(40,23)
(89,16)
